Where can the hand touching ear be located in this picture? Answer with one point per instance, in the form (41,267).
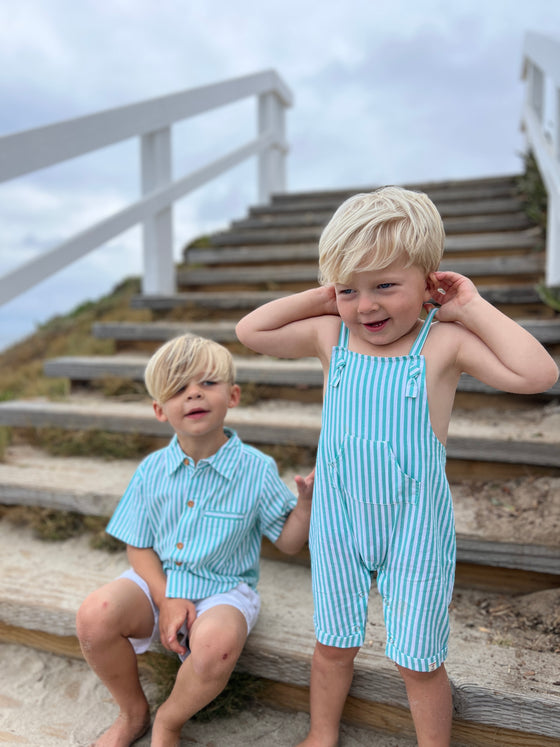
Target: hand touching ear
(453,292)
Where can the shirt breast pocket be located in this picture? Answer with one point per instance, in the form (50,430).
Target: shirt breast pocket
(224,515)
(369,472)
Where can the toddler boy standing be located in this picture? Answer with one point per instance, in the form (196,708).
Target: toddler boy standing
(382,503)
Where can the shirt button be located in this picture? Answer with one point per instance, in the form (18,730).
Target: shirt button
(186,462)
(179,545)
(178,562)
(190,504)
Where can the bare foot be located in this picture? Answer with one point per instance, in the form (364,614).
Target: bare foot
(124,731)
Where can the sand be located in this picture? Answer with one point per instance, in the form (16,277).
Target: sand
(49,701)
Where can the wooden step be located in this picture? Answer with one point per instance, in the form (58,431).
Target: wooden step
(516,539)
(524,438)
(43,584)
(299,374)
(451,189)
(517,297)
(500,270)
(467,245)
(308,211)
(270,216)
(259,233)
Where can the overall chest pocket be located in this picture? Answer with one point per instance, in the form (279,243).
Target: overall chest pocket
(369,472)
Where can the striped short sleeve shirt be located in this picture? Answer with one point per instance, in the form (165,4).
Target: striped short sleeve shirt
(204,521)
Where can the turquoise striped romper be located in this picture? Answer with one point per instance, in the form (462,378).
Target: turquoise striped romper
(382,505)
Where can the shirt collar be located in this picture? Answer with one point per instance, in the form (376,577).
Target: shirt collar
(224,461)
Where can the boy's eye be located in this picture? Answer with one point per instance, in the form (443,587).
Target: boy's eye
(385,285)
(209,382)
(345,291)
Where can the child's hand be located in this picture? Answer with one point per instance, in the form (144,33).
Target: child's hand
(453,292)
(328,298)
(305,486)
(172,614)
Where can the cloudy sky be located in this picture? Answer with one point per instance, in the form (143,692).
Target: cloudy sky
(385,91)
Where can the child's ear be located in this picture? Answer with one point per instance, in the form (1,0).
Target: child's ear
(159,413)
(234,396)
(431,284)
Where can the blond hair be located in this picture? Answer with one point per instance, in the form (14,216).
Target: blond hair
(369,231)
(184,359)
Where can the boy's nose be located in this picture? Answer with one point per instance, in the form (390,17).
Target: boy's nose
(367,303)
(193,391)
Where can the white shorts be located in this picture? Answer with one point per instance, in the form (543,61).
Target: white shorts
(242,597)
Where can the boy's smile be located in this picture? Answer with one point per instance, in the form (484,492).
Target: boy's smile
(381,307)
(197,413)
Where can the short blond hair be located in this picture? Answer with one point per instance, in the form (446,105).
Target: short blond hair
(184,359)
(369,231)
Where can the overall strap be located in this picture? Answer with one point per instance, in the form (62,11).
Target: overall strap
(343,336)
(416,348)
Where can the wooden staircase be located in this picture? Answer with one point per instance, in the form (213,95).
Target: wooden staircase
(499,444)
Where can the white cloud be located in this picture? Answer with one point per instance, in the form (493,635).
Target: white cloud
(385,91)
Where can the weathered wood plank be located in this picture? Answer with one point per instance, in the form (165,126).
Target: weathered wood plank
(274,216)
(254,369)
(323,210)
(471,244)
(486,440)
(397,720)
(286,232)
(307,273)
(242,301)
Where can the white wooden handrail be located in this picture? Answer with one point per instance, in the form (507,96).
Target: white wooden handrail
(25,152)
(541,123)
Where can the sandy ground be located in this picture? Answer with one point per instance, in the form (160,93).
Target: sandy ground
(50,701)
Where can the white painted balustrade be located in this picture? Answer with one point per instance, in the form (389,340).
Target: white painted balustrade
(152,120)
(541,123)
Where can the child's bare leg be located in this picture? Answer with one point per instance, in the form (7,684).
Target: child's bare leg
(332,670)
(104,622)
(431,705)
(216,640)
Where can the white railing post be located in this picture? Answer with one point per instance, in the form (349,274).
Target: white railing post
(159,269)
(535,91)
(553,240)
(25,152)
(541,123)
(271,164)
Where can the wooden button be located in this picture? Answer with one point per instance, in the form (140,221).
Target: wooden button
(190,504)
(180,545)
(178,562)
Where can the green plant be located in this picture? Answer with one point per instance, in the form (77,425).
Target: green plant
(549,296)
(533,192)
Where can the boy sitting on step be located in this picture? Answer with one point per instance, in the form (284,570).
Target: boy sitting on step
(381,502)
(192,517)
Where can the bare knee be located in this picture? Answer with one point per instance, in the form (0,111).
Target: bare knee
(334,656)
(215,656)
(117,609)
(95,619)
(412,677)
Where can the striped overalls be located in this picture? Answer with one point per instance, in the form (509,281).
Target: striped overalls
(382,504)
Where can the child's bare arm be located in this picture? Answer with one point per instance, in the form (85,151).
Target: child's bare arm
(296,529)
(288,327)
(500,352)
(145,561)
(172,612)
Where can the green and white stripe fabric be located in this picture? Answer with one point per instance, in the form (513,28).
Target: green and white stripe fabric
(204,521)
(382,505)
